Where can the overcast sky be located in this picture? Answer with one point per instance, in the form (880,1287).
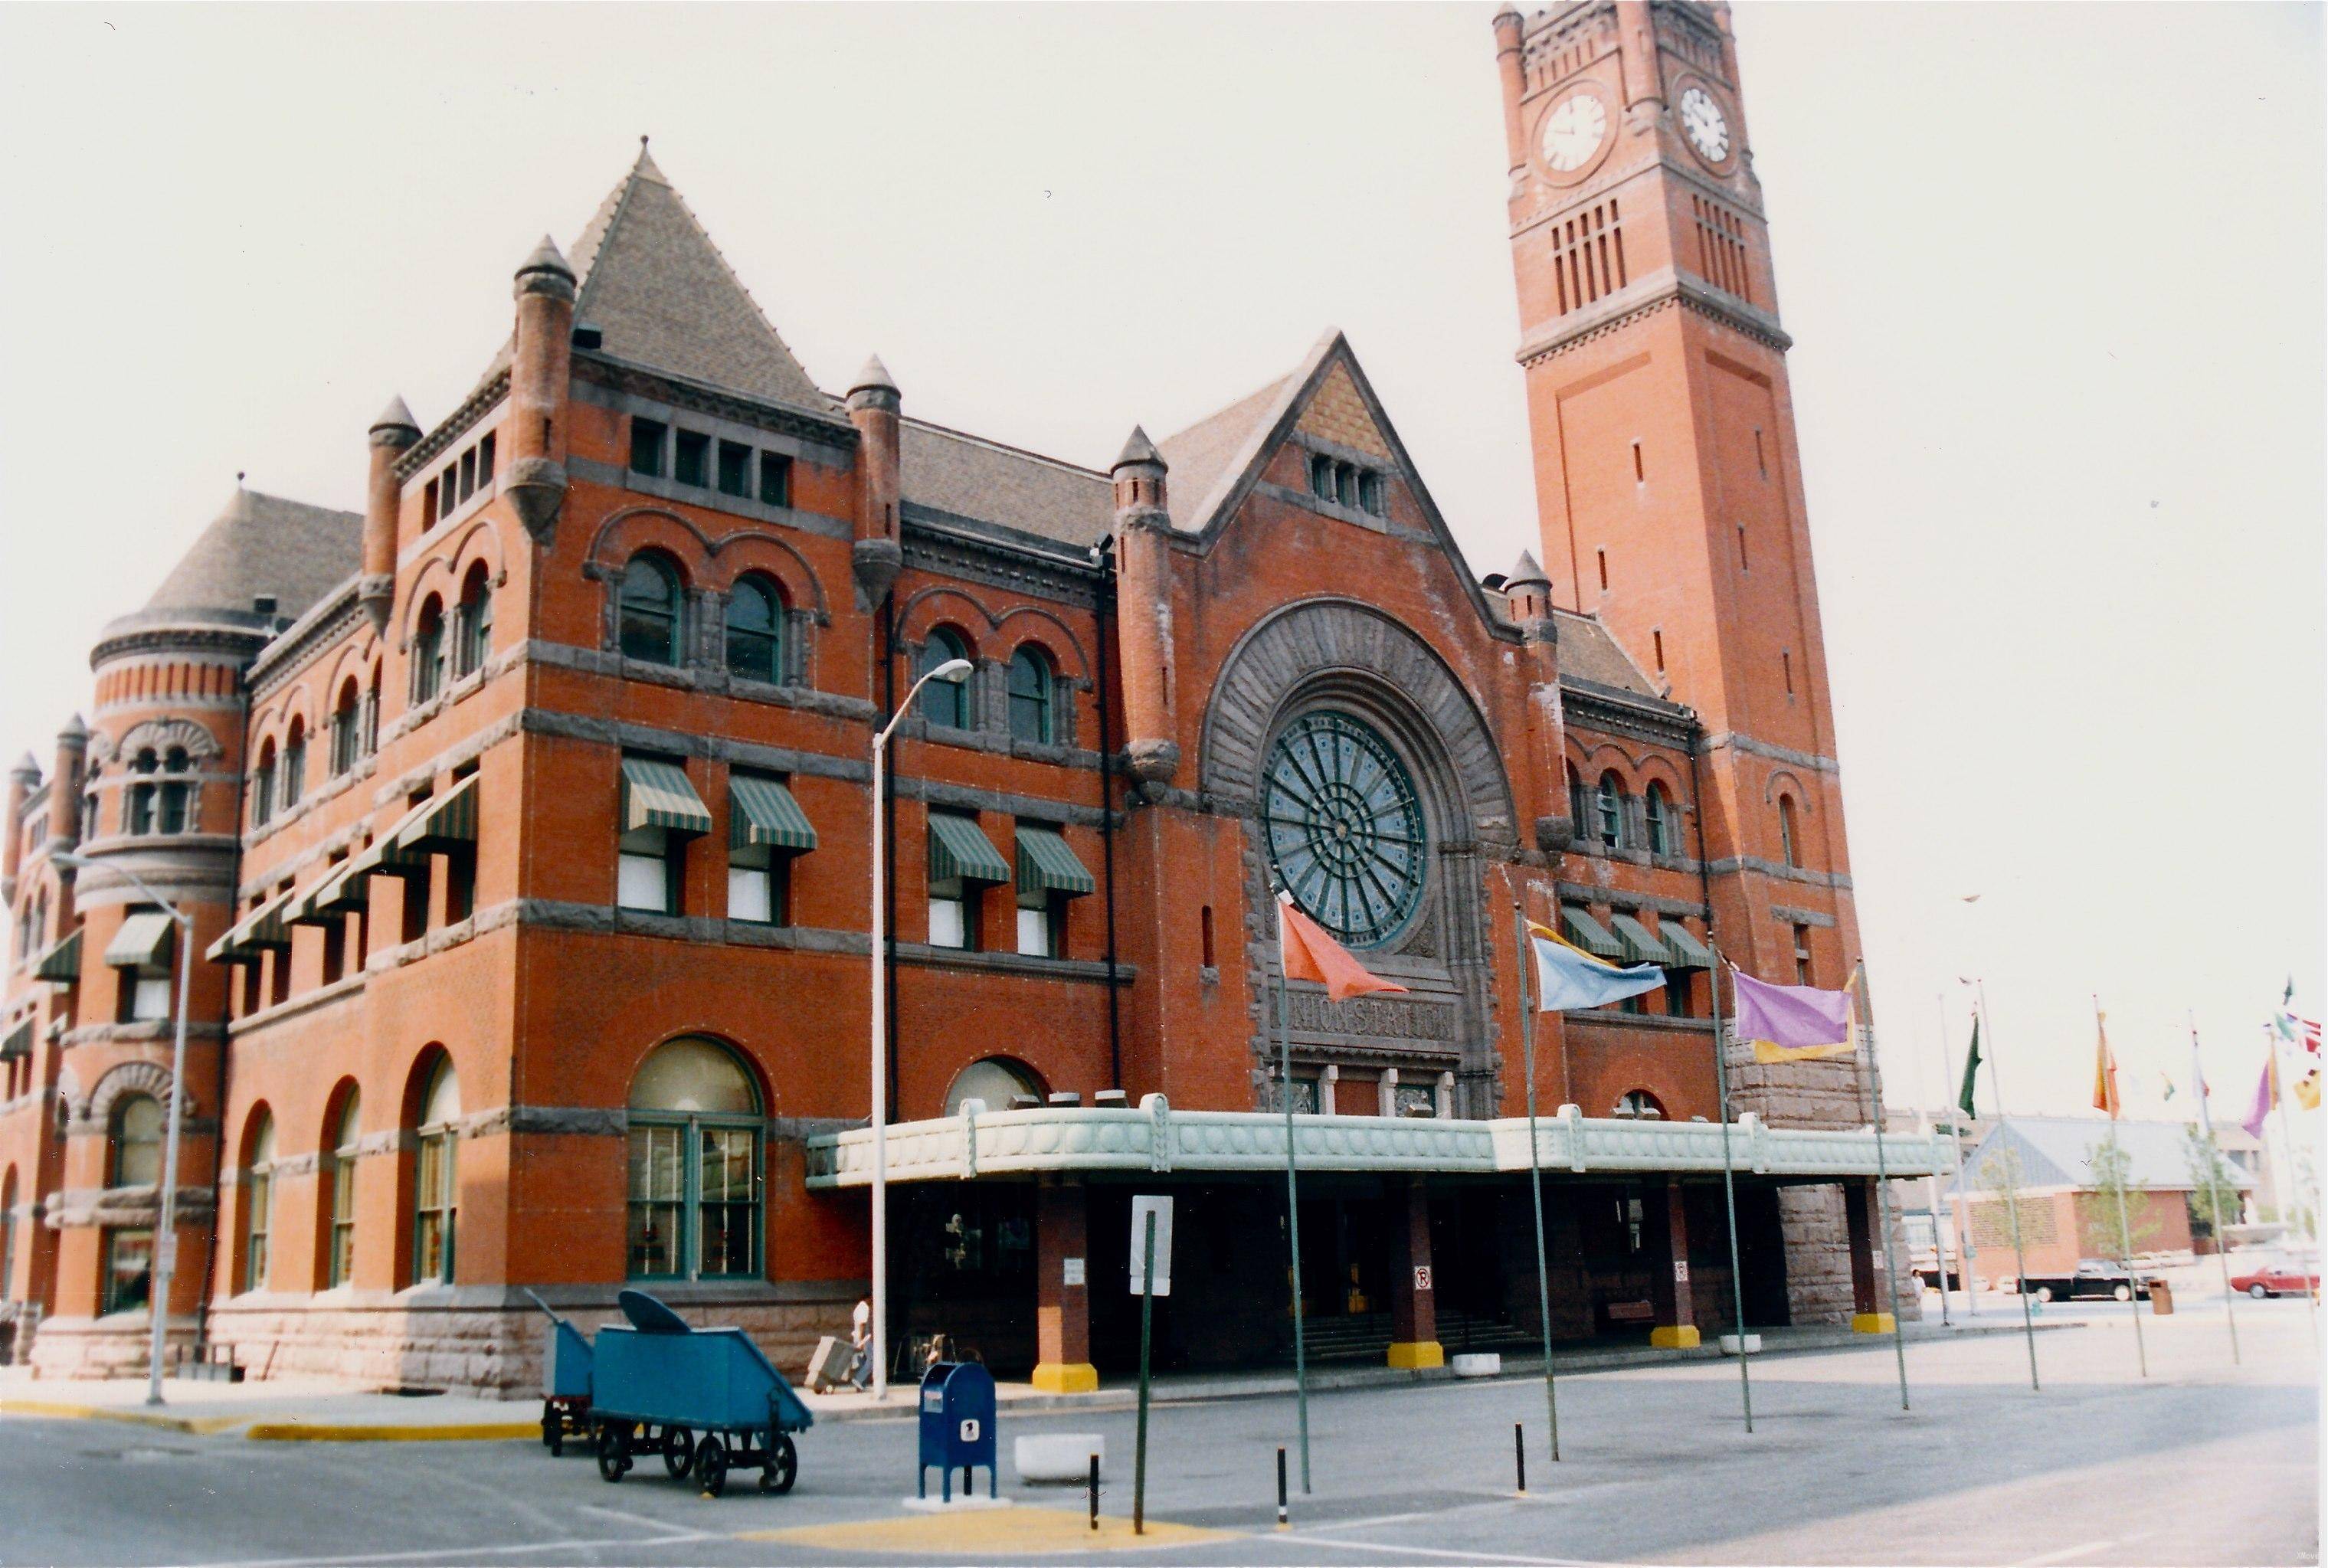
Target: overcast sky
(2054,276)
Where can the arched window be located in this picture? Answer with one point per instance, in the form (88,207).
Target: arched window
(347,729)
(1786,841)
(133,1151)
(648,612)
(295,764)
(7,1233)
(945,702)
(755,643)
(437,1180)
(137,806)
(177,791)
(1030,695)
(1609,807)
(428,652)
(371,742)
(340,1168)
(473,623)
(1664,827)
(1640,1103)
(695,1165)
(994,1081)
(258,1203)
(262,786)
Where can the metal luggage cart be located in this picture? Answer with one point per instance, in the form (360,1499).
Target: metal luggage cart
(565,1380)
(704,1399)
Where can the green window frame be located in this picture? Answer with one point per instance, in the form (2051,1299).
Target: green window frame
(339,1261)
(1033,715)
(697,1180)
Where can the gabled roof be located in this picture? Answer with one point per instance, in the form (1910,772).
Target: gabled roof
(657,289)
(969,476)
(2057,1151)
(1200,458)
(1589,652)
(261,545)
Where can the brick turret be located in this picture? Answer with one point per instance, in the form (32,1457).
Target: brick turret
(22,780)
(540,375)
(393,434)
(873,408)
(1144,610)
(65,781)
(1528,592)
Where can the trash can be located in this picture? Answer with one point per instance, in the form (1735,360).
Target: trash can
(2162,1299)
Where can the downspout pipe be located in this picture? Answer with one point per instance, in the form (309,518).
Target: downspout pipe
(1103,557)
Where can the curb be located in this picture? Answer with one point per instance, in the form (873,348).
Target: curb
(194,1425)
(318,1431)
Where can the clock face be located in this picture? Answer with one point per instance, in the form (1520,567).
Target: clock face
(1573,132)
(1345,830)
(1702,119)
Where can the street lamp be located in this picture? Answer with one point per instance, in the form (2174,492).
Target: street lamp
(165,1237)
(956,670)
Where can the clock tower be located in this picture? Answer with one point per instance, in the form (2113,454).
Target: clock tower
(1669,487)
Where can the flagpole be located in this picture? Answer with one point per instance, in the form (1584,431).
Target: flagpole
(1536,1174)
(2214,1187)
(1956,1178)
(2293,1198)
(1293,1201)
(1883,1183)
(1932,1207)
(1729,1187)
(2012,1189)
(2124,1232)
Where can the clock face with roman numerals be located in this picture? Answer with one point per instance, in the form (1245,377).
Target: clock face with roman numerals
(1345,830)
(1702,121)
(1573,132)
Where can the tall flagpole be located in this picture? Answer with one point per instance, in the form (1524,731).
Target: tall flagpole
(1932,1207)
(1955,1179)
(2012,1186)
(2214,1187)
(1728,1188)
(1535,1172)
(1882,1182)
(1292,1200)
(2126,1169)
(2292,1199)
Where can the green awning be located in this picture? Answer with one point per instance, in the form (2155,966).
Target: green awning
(262,928)
(446,822)
(959,850)
(1046,864)
(1688,952)
(341,893)
(657,794)
(18,1042)
(143,941)
(60,964)
(1640,944)
(1586,932)
(762,815)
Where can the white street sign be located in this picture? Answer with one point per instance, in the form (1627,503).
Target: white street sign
(1071,1271)
(1161,1207)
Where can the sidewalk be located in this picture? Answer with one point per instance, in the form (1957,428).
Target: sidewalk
(314,1410)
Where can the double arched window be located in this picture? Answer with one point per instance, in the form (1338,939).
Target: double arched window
(1032,709)
(695,1165)
(1609,812)
(756,640)
(258,1203)
(472,623)
(1665,825)
(648,611)
(177,791)
(340,1168)
(945,702)
(437,1180)
(428,652)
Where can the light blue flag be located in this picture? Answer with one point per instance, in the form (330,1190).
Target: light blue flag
(1569,977)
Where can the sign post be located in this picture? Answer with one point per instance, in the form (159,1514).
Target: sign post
(1152,1276)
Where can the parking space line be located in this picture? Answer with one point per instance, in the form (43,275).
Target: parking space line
(462,1553)
(1398,1551)
(2064,1554)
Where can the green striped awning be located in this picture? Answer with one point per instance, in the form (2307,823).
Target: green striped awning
(959,850)
(1586,932)
(60,964)
(762,815)
(448,821)
(143,941)
(262,928)
(341,893)
(657,794)
(1046,864)
(1688,952)
(17,1043)
(1640,944)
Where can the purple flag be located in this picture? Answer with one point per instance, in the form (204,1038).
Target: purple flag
(2264,1100)
(1792,1022)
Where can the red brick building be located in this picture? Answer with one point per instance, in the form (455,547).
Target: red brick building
(524,822)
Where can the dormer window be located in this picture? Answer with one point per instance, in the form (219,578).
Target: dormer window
(1348,485)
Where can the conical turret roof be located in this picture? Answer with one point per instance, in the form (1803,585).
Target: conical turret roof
(263,545)
(1526,573)
(1137,448)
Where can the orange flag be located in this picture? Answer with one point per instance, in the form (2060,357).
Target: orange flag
(1309,954)
(2105,1069)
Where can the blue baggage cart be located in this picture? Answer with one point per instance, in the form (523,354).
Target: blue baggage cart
(565,1380)
(704,1399)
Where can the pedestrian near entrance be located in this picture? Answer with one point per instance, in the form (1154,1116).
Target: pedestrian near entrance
(861,1344)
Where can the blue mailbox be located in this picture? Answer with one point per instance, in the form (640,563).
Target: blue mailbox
(957,1424)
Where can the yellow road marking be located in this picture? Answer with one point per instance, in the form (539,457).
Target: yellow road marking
(200,1425)
(318,1431)
(987,1533)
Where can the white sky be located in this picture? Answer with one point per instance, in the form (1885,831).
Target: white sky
(2054,273)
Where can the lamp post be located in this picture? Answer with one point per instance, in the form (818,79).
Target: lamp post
(955,671)
(166,1235)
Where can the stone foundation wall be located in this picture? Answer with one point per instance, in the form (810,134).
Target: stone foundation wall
(1818,1259)
(98,1346)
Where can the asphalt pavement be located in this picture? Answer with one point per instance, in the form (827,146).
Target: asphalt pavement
(2200,1462)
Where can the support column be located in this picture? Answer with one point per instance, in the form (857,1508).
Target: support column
(1063,1363)
(1859,1207)
(1676,1325)
(1414,1303)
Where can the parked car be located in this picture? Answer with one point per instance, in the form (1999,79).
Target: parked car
(2269,1276)
(2097,1278)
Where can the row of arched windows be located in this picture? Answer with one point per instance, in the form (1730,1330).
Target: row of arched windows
(279,780)
(650,621)
(443,653)
(1032,684)
(1604,815)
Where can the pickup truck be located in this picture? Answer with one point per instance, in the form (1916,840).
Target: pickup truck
(2095,1278)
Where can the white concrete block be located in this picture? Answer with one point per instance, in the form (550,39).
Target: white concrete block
(1730,1344)
(1477,1363)
(1057,1456)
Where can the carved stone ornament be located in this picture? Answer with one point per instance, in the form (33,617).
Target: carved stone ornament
(536,488)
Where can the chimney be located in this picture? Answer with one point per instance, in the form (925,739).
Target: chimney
(65,781)
(393,433)
(540,360)
(1143,611)
(877,557)
(22,780)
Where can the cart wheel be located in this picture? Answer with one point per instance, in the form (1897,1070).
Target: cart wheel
(614,1451)
(2122,1293)
(711,1464)
(553,1433)
(678,1451)
(782,1467)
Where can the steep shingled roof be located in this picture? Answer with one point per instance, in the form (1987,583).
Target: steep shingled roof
(1588,651)
(1202,458)
(263,544)
(971,476)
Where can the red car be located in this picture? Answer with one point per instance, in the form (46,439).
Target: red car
(2277,1277)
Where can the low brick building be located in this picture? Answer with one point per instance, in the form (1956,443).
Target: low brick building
(525,823)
